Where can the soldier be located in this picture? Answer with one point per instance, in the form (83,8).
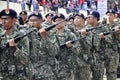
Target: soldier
(67,56)
(13,58)
(48,20)
(87,21)
(97,47)
(23,14)
(83,67)
(70,23)
(42,50)
(112,56)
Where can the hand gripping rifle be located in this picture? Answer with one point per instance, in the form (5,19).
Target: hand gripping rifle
(110,32)
(72,42)
(17,39)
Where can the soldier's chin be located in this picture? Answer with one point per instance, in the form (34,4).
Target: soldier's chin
(59,27)
(6,28)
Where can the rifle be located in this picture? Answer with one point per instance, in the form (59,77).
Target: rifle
(17,39)
(72,42)
(52,26)
(90,29)
(1,35)
(109,32)
(87,30)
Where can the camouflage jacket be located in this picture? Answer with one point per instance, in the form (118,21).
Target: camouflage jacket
(71,27)
(12,58)
(84,45)
(113,41)
(96,41)
(42,54)
(66,56)
(98,45)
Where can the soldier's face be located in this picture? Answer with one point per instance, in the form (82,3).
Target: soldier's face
(110,16)
(35,21)
(49,18)
(61,25)
(88,20)
(78,21)
(71,21)
(24,16)
(91,19)
(8,22)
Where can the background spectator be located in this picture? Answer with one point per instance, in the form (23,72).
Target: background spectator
(23,4)
(29,3)
(35,5)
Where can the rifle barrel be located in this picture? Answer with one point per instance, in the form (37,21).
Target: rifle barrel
(17,39)
(52,26)
(72,42)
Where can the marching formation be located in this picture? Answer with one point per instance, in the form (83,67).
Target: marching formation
(58,48)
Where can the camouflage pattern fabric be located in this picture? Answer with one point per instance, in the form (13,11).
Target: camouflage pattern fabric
(14,60)
(112,55)
(42,55)
(66,57)
(83,59)
(97,51)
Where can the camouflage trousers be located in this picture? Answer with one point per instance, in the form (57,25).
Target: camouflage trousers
(82,73)
(63,72)
(6,76)
(97,67)
(111,64)
(82,69)
(12,78)
(44,72)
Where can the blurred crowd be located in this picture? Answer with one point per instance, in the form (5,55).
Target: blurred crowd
(70,5)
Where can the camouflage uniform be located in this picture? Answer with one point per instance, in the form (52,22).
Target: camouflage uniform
(118,39)
(83,60)
(70,26)
(14,60)
(112,56)
(118,35)
(2,32)
(41,52)
(66,57)
(97,51)
(42,55)
(46,24)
